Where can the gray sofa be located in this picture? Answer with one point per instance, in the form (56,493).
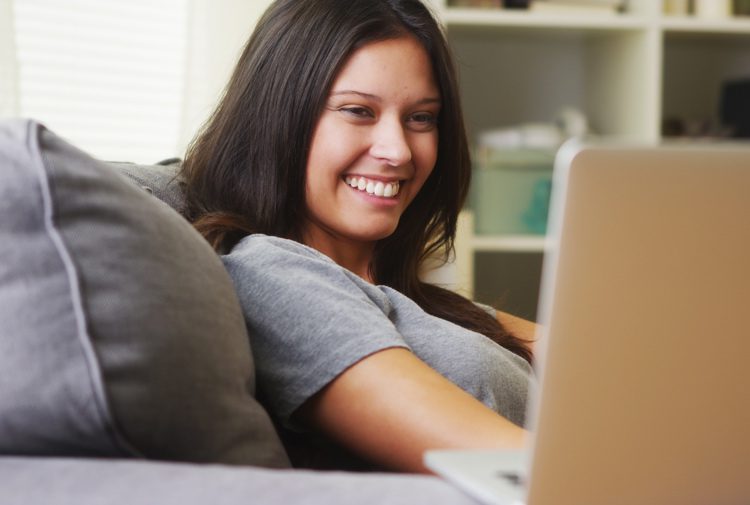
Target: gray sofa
(127,370)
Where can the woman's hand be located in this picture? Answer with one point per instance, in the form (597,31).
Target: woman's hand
(391,407)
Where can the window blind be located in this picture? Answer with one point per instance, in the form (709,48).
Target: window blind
(107,75)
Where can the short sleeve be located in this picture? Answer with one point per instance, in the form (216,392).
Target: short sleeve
(308,318)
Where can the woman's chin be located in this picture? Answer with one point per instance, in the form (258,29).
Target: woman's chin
(378,234)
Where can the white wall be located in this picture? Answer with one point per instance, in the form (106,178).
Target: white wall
(8,70)
(107,76)
(219,30)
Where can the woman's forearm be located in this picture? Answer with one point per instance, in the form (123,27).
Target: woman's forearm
(391,407)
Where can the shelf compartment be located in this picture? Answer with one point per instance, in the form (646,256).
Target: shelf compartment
(507,78)
(696,66)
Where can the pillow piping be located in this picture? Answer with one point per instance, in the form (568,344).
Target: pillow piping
(94,370)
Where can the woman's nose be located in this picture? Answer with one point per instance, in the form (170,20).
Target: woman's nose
(389,142)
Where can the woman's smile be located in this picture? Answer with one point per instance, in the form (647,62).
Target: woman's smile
(386,189)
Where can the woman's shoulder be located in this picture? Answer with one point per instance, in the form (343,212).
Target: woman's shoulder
(267,249)
(259,242)
(280,262)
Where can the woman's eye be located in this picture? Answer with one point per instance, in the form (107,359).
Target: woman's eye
(357,112)
(423,120)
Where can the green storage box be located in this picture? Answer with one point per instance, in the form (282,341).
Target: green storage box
(510,191)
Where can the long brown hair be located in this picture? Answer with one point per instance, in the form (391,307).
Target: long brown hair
(245,170)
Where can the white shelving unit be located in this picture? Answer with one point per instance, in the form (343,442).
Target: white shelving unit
(627,72)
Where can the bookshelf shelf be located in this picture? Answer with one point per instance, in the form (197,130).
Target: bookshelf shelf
(455,17)
(508,243)
(684,24)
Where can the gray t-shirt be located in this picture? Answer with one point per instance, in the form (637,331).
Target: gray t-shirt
(311,319)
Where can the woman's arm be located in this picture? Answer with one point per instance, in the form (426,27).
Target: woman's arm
(390,407)
(521,328)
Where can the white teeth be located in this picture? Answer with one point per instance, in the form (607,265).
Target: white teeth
(377,188)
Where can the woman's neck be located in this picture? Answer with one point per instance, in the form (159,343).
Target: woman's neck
(355,256)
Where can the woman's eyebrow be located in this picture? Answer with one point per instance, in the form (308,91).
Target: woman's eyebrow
(358,93)
(376,98)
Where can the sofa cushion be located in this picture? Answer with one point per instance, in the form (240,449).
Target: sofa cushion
(121,333)
(89,482)
(161,180)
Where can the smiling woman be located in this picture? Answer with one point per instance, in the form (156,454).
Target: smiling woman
(335,163)
(379,127)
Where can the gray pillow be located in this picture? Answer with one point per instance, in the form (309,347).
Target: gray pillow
(161,180)
(120,332)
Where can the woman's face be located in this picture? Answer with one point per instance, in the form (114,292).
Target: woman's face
(374,145)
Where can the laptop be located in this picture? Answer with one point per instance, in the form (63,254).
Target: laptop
(644,352)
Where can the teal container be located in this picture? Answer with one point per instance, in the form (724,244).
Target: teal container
(510,192)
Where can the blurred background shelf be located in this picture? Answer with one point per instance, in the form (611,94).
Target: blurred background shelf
(499,18)
(634,75)
(686,24)
(508,243)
